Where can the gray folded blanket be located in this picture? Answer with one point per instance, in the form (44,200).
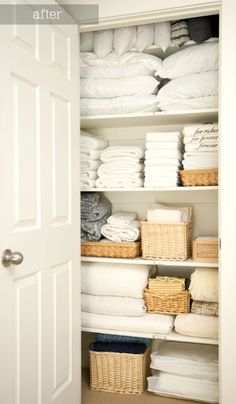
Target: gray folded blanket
(94,206)
(91,231)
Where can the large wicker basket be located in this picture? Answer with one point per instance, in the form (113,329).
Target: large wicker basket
(205,250)
(169,303)
(112,250)
(199,177)
(172,241)
(118,372)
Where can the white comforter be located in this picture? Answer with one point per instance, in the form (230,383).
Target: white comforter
(196,325)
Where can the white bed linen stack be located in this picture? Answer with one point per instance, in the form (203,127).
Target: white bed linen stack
(122,227)
(90,151)
(163,158)
(121,167)
(201,146)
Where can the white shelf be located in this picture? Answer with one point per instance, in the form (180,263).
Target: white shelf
(140,261)
(143,189)
(150,118)
(173,336)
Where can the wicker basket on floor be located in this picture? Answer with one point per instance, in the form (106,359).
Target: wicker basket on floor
(199,177)
(111,250)
(172,241)
(118,372)
(205,250)
(169,303)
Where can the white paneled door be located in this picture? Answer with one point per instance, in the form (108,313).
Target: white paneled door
(39,215)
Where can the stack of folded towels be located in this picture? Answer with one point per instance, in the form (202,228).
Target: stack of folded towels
(95,209)
(163,158)
(119,343)
(201,146)
(203,319)
(185,370)
(90,151)
(193,78)
(121,167)
(112,299)
(162,213)
(122,227)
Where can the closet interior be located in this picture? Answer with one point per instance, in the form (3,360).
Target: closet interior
(149,210)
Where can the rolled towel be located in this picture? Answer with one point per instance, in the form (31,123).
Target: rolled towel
(122,218)
(163,136)
(117,234)
(114,279)
(113,305)
(95,142)
(119,166)
(88,153)
(125,181)
(197,325)
(113,152)
(204,284)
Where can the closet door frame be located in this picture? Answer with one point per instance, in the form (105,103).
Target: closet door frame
(227,184)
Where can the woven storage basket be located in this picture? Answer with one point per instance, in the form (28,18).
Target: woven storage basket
(166,284)
(112,250)
(172,241)
(169,303)
(199,177)
(118,372)
(205,250)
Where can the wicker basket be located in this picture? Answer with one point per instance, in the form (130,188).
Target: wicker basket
(169,303)
(205,250)
(172,241)
(112,250)
(199,177)
(118,372)
(166,284)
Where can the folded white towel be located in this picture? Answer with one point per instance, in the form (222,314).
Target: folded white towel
(163,136)
(204,284)
(123,181)
(201,131)
(122,218)
(164,145)
(89,174)
(113,305)
(149,323)
(169,214)
(205,147)
(95,142)
(87,153)
(162,153)
(89,164)
(197,325)
(201,155)
(87,183)
(168,162)
(114,279)
(153,171)
(113,152)
(119,166)
(118,234)
(161,184)
(199,166)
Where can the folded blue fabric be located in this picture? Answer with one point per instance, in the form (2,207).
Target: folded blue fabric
(121,338)
(134,348)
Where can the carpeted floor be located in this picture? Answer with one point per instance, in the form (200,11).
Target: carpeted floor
(97,397)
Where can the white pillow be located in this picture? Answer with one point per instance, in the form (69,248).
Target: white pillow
(145,36)
(103,42)
(86,42)
(163,35)
(192,86)
(110,88)
(195,59)
(116,72)
(124,39)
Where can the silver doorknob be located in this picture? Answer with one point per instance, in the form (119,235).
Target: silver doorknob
(11,258)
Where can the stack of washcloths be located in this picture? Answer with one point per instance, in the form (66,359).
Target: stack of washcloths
(90,151)
(121,167)
(118,82)
(192,78)
(203,319)
(163,158)
(95,209)
(122,227)
(185,370)
(201,146)
(112,299)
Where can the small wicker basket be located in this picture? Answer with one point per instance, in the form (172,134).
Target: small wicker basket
(118,372)
(169,303)
(172,241)
(205,249)
(111,250)
(166,284)
(199,177)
